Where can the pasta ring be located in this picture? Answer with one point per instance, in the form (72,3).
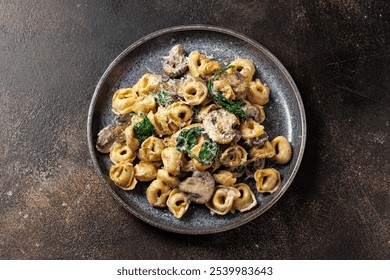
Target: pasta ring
(244,66)
(151,149)
(224,178)
(157,193)
(178,203)
(283,150)
(258,93)
(251,129)
(266,151)
(171,159)
(180,114)
(233,156)
(148,83)
(222,201)
(194,92)
(123,100)
(145,171)
(122,174)
(267,180)
(246,200)
(121,152)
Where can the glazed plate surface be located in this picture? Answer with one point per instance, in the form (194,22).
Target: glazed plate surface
(284,116)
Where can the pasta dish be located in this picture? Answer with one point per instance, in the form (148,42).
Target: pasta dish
(196,134)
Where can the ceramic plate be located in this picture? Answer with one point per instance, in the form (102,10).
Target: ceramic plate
(285,116)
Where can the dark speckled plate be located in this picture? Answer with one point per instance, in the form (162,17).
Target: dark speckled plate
(285,116)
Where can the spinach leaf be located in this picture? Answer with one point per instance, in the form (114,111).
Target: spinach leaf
(143,129)
(208,152)
(196,110)
(163,98)
(187,140)
(233,107)
(239,169)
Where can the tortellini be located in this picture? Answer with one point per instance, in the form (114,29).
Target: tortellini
(145,171)
(225,178)
(200,65)
(194,136)
(258,93)
(161,122)
(121,152)
(178,203)
(267,180)
(157,193)
(122,174)
(180,114)
(151,149)
(194,92)
(233,156)
(283,148)
(243,66)
(123,101)
(246,201)
(171,159)
(148,83)
(222,200)
(250,129)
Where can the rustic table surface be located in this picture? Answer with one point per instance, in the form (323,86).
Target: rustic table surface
(54,205)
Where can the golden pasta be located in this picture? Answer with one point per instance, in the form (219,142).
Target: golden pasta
(178,203)
(267,180)
(145,171)
(123,101)
(222,200)
(157,193)
(121,152)
(148,83)
(122,174)
(283,150)
(258,93)
(246,200)
(172,160)
(233,156)
(180,114)
(225,178)
(194,92)
(200,126)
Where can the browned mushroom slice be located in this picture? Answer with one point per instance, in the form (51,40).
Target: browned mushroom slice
(123,119)
(252,112)
(238,83)
(220,126)
(199,187)
(176,64)
(107,136)
(257,141)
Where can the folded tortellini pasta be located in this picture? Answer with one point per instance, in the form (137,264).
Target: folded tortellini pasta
(195,136)
(122,174)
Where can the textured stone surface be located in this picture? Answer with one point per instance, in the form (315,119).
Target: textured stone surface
(53,204)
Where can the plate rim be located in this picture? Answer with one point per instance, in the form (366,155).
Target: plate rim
(210,28)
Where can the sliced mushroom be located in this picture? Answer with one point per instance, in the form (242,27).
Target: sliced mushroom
(176,64)
(257,141)
(252,112)
(123,119)
(220,126)
(238,83)
(107,136)
(199,187)
(253,166)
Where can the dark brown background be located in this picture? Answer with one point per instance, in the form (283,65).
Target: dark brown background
(53,204)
